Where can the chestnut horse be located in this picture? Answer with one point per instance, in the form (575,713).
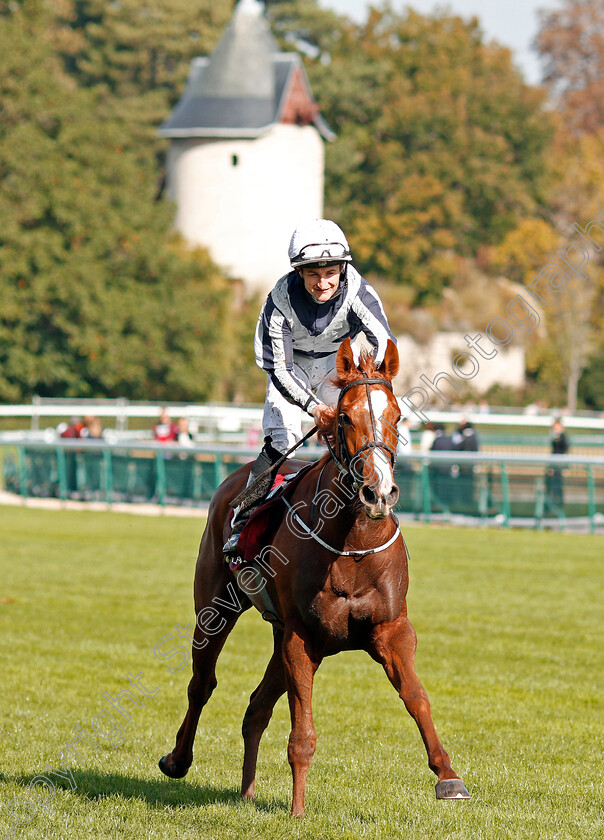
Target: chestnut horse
(338,580)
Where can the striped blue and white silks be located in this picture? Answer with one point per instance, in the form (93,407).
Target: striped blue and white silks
(296,342)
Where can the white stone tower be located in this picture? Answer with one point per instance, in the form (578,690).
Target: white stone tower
(246,157)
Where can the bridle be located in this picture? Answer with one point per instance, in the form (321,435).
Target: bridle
(345,464)
(344,461)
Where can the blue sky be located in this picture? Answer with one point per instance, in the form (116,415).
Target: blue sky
(511,22)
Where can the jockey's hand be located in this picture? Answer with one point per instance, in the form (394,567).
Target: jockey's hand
(322,415)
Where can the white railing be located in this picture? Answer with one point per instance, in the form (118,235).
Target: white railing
(228,418)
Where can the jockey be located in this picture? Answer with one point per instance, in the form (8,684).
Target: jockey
(305,318)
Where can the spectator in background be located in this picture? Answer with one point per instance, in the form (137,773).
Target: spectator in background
(427,437)
(465,439)
(92,487)
(558,438)
(165,431)
(560,446)
(538,407)
(184,437)
(441,442)
(93,428)
(73,430)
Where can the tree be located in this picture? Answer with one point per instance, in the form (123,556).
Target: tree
(134,46)
(570,42)
(122,67)
(137,49)
(439,154)
(574,315)
(98,300)
(439,148)
(304,25)
(440,144)
(591,386)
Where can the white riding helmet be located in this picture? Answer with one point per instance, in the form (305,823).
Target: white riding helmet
(318,241)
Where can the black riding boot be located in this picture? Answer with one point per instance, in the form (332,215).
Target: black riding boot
(242,512)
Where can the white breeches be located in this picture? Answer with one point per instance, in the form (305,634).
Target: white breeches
(282,421)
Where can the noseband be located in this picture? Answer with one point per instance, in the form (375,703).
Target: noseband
(342,457)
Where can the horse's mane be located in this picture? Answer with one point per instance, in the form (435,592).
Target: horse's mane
(365,368)
(327,430)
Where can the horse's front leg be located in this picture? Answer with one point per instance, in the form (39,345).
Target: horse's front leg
(300,667)
(393,646)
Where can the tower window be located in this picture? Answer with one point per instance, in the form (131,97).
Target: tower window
(235,160)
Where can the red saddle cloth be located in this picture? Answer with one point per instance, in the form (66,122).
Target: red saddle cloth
(263,523)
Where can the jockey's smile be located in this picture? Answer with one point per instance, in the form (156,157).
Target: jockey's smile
(321,282)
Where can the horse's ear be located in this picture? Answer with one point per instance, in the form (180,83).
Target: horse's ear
(345,359)
(389,367)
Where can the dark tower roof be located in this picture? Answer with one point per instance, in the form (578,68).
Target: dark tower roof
(245,87)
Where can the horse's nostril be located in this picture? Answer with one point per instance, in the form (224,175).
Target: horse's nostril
(392,497)
(368,495)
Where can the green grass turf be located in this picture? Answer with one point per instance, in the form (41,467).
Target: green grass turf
(510,651)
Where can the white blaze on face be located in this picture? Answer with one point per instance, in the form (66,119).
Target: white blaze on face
(380,459)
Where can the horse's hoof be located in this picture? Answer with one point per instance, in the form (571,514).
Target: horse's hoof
(451,789)
(167,766)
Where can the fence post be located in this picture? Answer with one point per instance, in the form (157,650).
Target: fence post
(416,485)
(505,495)
(121,414)
(219,471)
(483,495)
(61,472)
(539,502)
(81,472)
(35,417)
(160,464)
(197,476)
(426,491)
(108,474)
(22,471)
(591,499)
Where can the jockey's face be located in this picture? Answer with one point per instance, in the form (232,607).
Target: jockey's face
(321,282)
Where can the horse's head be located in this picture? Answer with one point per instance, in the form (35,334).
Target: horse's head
(367,414)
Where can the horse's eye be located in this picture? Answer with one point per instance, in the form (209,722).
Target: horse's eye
(345,420)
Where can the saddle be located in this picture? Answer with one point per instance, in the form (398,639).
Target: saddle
(257,534)
(263,522)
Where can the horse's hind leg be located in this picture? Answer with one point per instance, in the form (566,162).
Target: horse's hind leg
(218,605)
(259,713)
(393,646)
(202,684)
